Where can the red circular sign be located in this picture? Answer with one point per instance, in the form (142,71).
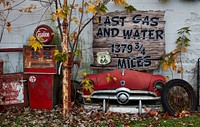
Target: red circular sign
(45,32)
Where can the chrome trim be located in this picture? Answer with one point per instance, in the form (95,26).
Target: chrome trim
(133,94)
(162,86)
(130,98)
(124,89)
(123,72)
(23,81)
(104,105)
(123,97)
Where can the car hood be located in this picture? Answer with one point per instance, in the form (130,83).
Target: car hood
(131,79)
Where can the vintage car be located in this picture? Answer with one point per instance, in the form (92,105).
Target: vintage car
(129,86)
(124,86)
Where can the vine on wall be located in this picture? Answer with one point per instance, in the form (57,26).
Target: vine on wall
(172,59)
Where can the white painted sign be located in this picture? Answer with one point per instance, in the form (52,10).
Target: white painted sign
(32,79)
(103,58)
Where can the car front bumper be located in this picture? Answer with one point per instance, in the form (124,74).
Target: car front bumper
(123,95)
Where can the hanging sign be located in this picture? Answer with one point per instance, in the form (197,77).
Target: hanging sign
(133,40)
(45,32)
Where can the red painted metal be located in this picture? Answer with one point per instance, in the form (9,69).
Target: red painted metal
(42,58)
(135,80)
(41,91)
(11,50)
(12,91)
(40,68)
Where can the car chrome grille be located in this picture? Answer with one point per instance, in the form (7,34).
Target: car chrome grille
(123,95)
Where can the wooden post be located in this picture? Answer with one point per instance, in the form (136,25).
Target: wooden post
(66,69)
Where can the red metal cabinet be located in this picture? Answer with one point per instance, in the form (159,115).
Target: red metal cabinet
(41,91)
(40,69)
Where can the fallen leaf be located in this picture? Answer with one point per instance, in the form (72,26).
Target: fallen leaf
(8,26)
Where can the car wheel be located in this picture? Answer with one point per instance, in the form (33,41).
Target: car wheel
(178,95)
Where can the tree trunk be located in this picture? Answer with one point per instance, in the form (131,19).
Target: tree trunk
(66,69)
(66,88)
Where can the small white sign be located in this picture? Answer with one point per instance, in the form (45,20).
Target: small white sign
(103,58)
(32,79)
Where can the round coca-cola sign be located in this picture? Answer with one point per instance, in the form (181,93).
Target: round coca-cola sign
(45,32)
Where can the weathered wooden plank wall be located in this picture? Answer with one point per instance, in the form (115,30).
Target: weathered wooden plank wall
(134,40)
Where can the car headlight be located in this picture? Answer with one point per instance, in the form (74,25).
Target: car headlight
(159,85)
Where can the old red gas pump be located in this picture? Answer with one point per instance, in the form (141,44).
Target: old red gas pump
(40,69)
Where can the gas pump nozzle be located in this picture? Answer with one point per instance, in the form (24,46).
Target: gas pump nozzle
(60,66)
(23,81)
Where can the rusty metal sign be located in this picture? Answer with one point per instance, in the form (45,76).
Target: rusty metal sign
(45,32)
(11,89)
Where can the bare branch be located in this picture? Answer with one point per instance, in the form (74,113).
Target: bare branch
(79,28)
(31,24)
(45,11)
(13,6)
(2,31)
(58,21)
(70,16)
